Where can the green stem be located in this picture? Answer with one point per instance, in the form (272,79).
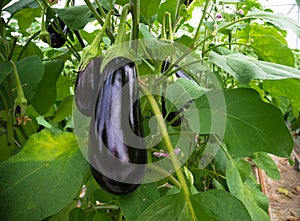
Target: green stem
(223,147)
(122,25)
(165,173)
(170,148)
(100,8)
(135,10)
(97,16)
(197,34)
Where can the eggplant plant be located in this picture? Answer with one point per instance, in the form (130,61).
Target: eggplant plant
(143,110)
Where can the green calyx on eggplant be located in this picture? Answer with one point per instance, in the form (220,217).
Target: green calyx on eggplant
(57,40)
(174,116)
(87,87)
(117,153)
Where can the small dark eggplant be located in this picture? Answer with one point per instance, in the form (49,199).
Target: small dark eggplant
(117,153)
(87,87)
(56,39)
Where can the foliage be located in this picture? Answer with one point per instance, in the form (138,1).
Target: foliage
(245,91)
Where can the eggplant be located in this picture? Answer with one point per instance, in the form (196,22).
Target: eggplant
(56,39)
(117,153)
(87,87)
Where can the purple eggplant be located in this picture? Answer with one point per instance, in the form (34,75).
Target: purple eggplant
(117,153)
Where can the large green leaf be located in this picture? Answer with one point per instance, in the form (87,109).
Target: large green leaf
(244,68)
(280,20)
(256,205)
(135,203)
(45,95)
(288,88)
(42,179)
(75,17)
(250,124)
(271,46)
(31,71)
(214,205)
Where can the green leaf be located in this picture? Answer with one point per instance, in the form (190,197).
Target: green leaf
(77,214)
(266,163)
(41,179)
(63,86)
(20,5)
(75,17)
(101,217)
(64,109)
(219,206)
(30,50)
(212,205)
(170,208)
(6,69)
(250,124)
(271,46)
(238,189)
(133,204)
(170,6)
(288,88)
(31,71)
(26,16)
(244,68)
(182,91)
(280,20)
(149,9)
(45,94)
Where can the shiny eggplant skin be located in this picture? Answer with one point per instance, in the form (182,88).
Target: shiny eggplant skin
(87,87)
(57,40)
(117,153)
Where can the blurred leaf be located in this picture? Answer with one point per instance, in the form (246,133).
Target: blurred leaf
(63,86)
(280,20)
(238,189)
(149,8)
(30,50)
(244,68)
(42,178)
(270,46)
(77,214)
(45,94)
(17,6)
(288,88)
(266,163)
(64,109)
(170,6)
(6,69)
(26,16)
(250,124)
(75,17)
(133,204)
(31,71)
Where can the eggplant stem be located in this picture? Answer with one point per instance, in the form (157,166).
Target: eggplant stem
(170,148)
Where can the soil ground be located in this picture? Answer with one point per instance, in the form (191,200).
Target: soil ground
(284,194)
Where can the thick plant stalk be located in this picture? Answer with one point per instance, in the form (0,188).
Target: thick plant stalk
(170,148)
(135,9)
